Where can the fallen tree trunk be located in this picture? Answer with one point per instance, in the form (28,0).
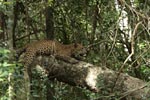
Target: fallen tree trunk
(95,78)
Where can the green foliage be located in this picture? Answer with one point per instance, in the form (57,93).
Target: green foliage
(8,74)
(6,67)
(76,21)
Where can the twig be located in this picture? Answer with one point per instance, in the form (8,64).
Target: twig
(131,54)
(133,10)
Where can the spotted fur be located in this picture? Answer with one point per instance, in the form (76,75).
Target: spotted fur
(49,47)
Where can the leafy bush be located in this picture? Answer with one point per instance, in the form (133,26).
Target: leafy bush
(7,74)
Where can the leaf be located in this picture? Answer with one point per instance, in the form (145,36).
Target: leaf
(1,30)
(4,51)
(8,3)
(1,79)
(5,73)
(5,64)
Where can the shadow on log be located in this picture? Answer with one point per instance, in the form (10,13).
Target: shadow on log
(94,78)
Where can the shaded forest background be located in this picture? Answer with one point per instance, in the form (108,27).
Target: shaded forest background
(118,29)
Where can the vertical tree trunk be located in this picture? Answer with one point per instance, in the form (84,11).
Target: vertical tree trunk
(94,23)
(86,17)
(27,77)
(49,23)
(2,26)
(10,89)
(49,35)
(10,45)
(16,8)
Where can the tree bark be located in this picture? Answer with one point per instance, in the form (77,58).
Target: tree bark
(49,23)
(95,78)
(2,26)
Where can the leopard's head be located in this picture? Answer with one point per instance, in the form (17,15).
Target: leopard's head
(79,51)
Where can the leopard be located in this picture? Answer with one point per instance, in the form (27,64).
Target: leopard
(59,50)
(51,47)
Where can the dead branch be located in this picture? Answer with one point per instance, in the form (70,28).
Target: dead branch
(94,78)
